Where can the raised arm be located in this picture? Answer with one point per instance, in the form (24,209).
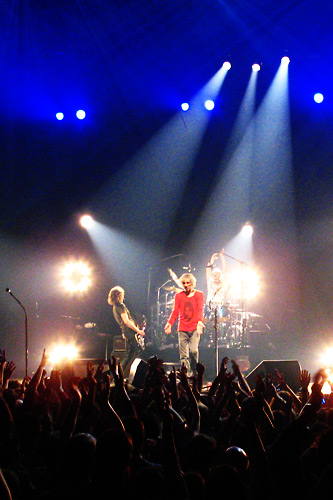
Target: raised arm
(209,266)
(31,392)
(175,278)
(4,489)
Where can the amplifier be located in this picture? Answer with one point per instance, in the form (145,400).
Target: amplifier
(119,344)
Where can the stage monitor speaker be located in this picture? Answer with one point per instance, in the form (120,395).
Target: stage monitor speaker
(138,373)
(119,344)
(290,369)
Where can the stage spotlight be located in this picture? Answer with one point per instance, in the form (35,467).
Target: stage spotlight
(256,67)
(285,60)
(80,114)
(209,104)
(326,357)
(247,229)
(226,65)
(318,98)
(62,352)
(59,116)
(326,389)
(76,277)
(86,221)
(185,106)
(244,284)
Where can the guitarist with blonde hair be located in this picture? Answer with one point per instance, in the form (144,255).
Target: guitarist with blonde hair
(129,329)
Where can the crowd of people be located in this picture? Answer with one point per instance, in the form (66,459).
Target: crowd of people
(169,436)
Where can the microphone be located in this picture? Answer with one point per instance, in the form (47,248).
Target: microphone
(8,290)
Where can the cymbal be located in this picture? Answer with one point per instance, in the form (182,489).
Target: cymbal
(171,289)
(253,315)
(90,325)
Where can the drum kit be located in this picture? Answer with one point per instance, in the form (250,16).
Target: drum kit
(226,325)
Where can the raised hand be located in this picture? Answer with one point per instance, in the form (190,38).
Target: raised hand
(223,366)
(305,379)
(200,368)
(8,371)
(55,382)
(99,370)
(44,359)
(279,377)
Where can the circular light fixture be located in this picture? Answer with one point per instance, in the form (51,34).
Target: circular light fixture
(86,221)
(209,105)
(76,277)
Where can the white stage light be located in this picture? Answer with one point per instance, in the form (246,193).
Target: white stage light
(63,352)
(76,277)
(285,61)
(209,104)
(80,114)
(247,229)
(318,98)
(86,221)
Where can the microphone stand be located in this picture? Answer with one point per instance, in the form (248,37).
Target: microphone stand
(149,278)
(215,330)
(244,319)
(158,305)
(26,328)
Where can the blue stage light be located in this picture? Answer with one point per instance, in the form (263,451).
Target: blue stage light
(185,106)
(318,98)
(285,60)
(209,104)
(226,65)
(59,116)
(80,114)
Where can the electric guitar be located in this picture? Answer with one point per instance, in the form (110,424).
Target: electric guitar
(139,338)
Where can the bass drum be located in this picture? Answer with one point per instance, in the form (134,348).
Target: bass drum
(223,314)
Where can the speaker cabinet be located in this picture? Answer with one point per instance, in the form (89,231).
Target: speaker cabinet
(138,373)
(119,344)
(290,369)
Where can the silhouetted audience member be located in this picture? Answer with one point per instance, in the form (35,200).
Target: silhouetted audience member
(63,436)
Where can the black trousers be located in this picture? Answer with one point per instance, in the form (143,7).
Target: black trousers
(133,350)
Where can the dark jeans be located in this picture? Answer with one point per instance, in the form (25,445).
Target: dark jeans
(189,350)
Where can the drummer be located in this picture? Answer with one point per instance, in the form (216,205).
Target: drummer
(217,286)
